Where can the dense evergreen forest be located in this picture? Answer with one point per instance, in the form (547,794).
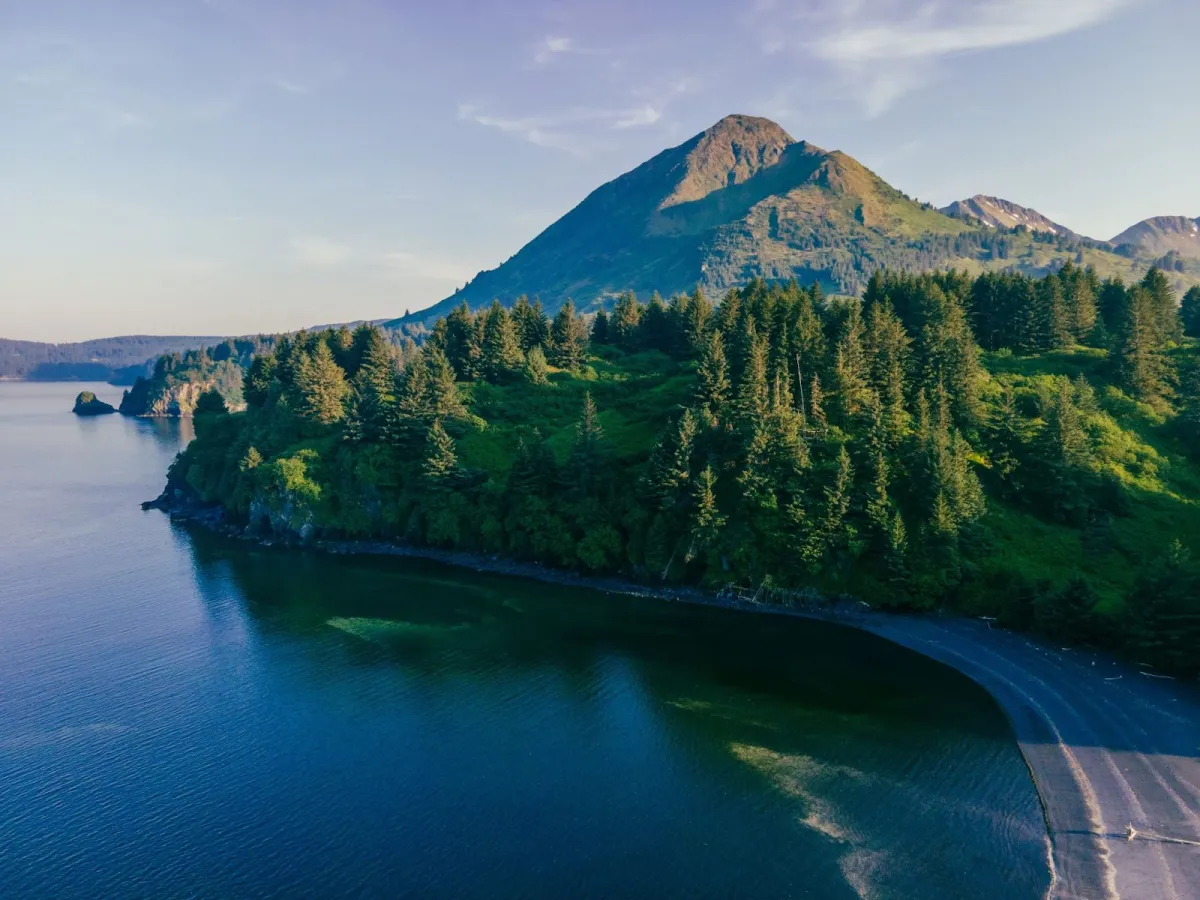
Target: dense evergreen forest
(999,445)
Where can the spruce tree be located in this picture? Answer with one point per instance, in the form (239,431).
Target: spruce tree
(707,522)
(834,532)
(653,331)
(536,366)
(623,324)
(1141,364)
(698,317)
(411,412)
(816,406)
(257,384)
(712,377)
(500,355)
(896,556)
(444,400)
(440,465)
(532,326)
(600,328)
(1060,321)
(947,353)
(1031,317)
(1083,303)
(669,468)
(587,454)
(462,342)
(1007,439)
(888,346)
(320,386)
(1064,439)
(753,396)
(1189,312)
(341,345)
(728,313)
(1111,304)
(568,339)
(1162,301)
(373,386)
(879,507)
(850,365)
(807,338)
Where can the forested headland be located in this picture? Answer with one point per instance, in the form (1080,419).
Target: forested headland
(1002,445)
(179,380)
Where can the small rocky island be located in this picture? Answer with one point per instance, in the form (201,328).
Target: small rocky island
(88,404)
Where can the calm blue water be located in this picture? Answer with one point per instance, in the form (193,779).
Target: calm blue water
(187,716)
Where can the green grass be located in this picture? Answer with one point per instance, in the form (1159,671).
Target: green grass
(635,395)
(1136,447)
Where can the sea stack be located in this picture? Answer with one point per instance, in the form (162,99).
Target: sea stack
(88,404)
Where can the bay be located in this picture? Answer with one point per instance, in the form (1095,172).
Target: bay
(184,715)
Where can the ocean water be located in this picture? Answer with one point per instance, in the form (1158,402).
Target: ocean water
(183,715)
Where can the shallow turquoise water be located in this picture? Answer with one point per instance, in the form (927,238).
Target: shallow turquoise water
(187,716)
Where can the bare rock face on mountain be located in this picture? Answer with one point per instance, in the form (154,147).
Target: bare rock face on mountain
(998,213)
(741,200)
(1162,235)
(733,151)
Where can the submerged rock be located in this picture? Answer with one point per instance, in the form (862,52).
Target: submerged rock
(88,404)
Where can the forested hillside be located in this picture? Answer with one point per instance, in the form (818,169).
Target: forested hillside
(993,445)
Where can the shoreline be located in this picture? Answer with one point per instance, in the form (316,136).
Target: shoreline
(1114,755)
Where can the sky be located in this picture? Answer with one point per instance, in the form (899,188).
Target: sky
(237,166)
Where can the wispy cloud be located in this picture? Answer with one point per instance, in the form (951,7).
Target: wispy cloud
(319,252)
(540,131)
(290,87)
(938,29)
(551,47)
(647,115)
(309,80)
(580,129)
(888,48)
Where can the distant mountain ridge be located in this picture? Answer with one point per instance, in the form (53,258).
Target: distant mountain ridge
(744,199)
(1161,235)
(117,359)
(999,213)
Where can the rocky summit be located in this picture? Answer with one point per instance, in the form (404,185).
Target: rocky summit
(999,213)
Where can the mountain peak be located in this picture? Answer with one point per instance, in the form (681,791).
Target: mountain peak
(996,212)
(1163,234)
(730,152)
(743,199)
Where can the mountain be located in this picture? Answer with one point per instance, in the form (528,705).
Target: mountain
(998,213)
(1162,235)
(744,199)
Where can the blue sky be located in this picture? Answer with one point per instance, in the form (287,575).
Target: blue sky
(231,166)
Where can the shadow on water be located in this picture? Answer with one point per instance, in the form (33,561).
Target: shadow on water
(172,434)
(440,620)
(855,740)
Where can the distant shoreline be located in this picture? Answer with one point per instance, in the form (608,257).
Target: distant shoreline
(1107,746)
